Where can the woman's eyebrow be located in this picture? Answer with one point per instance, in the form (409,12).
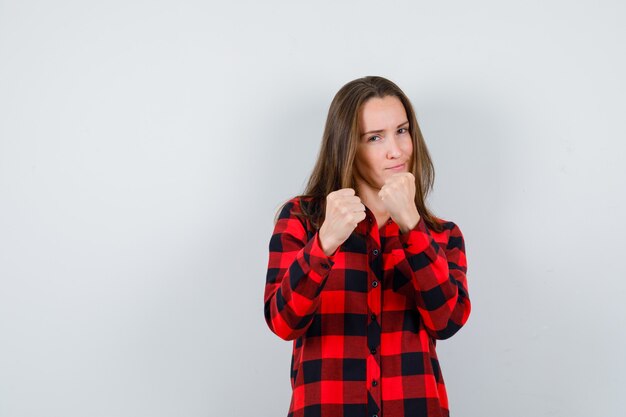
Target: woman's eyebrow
(382,130)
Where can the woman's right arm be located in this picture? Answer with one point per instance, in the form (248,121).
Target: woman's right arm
(296,273)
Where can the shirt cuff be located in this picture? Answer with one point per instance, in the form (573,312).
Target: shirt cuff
(319,262)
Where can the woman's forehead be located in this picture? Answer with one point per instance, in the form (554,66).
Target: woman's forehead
(381,113)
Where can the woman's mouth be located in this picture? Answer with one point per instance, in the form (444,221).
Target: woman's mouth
(397,167)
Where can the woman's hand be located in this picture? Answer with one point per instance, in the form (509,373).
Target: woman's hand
(344,211)
(398,196)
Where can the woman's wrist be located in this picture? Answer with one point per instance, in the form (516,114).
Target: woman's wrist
(326,244)
(409,224)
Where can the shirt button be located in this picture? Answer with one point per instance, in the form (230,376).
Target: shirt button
(374,383)
(389,221)
(375,252)
(375,415)
(373,317)
(370,219)
(375,284)
(325,266)
(373,351)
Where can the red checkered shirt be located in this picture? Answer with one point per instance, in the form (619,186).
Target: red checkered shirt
(365,320)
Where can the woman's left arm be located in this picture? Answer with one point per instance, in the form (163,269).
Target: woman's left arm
(438,278)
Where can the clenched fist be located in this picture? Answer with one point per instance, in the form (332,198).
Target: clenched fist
(344,211)
(398,196)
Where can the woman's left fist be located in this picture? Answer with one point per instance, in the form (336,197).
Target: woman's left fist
(398,197)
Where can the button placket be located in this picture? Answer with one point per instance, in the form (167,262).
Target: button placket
(375,274)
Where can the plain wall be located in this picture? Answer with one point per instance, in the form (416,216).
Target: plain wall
(146,145)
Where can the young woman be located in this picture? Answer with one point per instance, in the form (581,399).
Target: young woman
(361,275)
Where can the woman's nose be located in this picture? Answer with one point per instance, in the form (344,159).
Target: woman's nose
(394,150)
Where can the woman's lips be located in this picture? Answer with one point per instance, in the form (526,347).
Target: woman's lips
(398,167)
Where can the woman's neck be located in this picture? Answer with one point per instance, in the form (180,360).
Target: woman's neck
(369,197)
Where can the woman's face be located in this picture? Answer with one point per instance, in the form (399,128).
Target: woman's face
(385,146)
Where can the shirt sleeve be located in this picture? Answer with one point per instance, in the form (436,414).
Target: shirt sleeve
(438,279)
(296,273)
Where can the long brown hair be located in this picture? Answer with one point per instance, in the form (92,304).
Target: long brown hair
(334,167)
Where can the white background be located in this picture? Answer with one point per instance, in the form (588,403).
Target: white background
(145,146)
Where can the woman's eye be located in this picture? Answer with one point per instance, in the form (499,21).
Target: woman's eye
(374,138)
(403,130)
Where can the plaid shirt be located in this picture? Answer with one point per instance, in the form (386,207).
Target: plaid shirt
(365,320)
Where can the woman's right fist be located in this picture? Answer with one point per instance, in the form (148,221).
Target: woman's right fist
(344,211)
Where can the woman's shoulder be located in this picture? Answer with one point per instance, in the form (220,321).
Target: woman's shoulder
(294,206)
(446,224)
(293,216)
(450,235)
(301,207)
